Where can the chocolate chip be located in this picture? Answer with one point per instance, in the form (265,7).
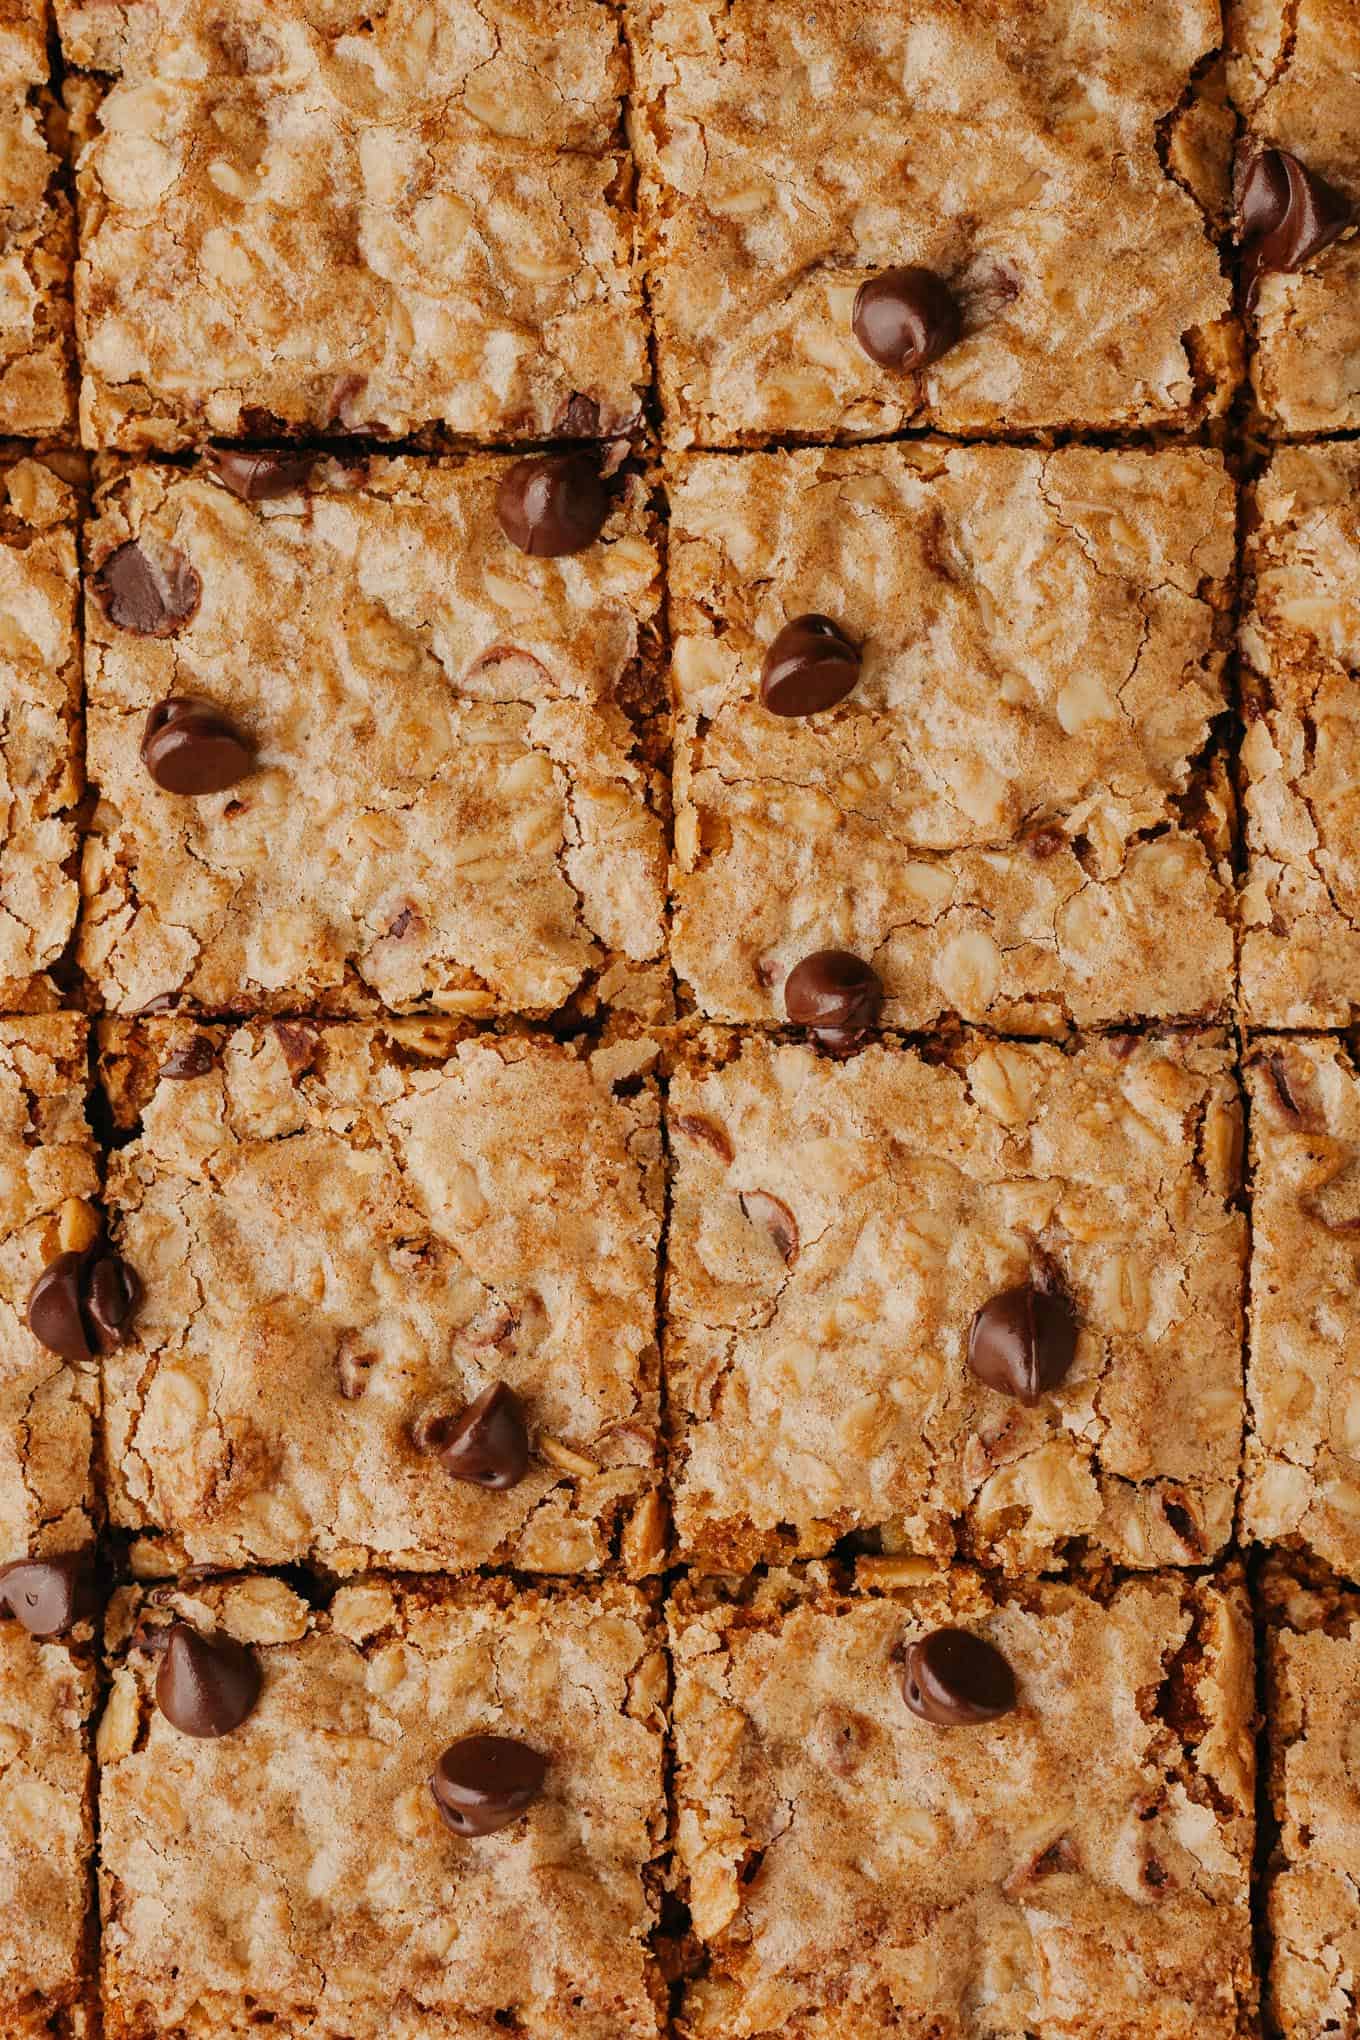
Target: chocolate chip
(206,1685)
(193,1058)
(301,1046)
(956,1679)
(1023,1341)
(578,418)
(190,746)
(1278,1071)
(260,477)
(83,1303)
(906,318)
(552,504)
(112,1292)
(48,1595)
(707,1132)
(154,598)
(487,1445)
(811,665)
(1289,214)
(837,995)
(484,1782)
(778,1221)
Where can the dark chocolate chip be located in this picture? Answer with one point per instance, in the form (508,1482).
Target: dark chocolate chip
(488,1444)
(189,746)
(48,1595)
(154,598)
(837,995)
(779,1222)
(54,1314)
(696,1127)
(193,1058)
(260,477)
(484,1782)
(956,1679)
(112,1292)
(1023,1341)
(1289,214)
(906,318)
(578,418)
(553,503)
(810,666)
(206,1685)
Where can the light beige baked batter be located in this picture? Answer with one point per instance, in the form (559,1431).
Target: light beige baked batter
(1020,810)
(37,234)
(326,216)
(342,1231)
(453,799)
(1080,1866)
(299,1868)
(829,1391)
(1064,168)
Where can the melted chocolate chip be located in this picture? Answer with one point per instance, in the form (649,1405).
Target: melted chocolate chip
(193,1058)
(487,1445)
(779,1222)
(260,477)
(694,1126)
(810,666)
(836,995)
(154,598)
(189,746)
(1023,1341)
(83,1303)
(48,1595)
(552,504)
(956,1680)
(906,318)
(1289,214)
(485,1782)
(206,1686)
(578,418)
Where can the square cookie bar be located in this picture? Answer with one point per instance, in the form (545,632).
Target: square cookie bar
(1056,174)
(1303,1381)
(838,1227)
(1312,1914)
(47,1688)
(40,766)
(1301,752)
(345,1237)
(37,235)
(449,744)
(339,218)
(1078,1864)
(297,1874)
(1294,69)
(48,1175)
(1019,807)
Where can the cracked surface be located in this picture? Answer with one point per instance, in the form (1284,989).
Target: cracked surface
(852,1869)
(453,799)
(828,1391)
(46,1840)
(1313,1899)
(1303,1444)
(47,1405)
(1019,807)
(1295,75)
(37,235)
(297,1873)
(1300,904)
(40,771)
(1033,157)
(341,1231)
(327,215)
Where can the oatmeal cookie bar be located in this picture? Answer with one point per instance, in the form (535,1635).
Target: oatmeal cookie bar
(338,218)
(865,1258)
(295,1872)
(37,235)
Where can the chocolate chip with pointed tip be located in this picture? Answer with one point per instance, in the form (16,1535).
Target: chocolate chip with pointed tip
(112,1291)
(150,597)
(552,504)
(206,1685)
(484,1782)
(189,746)
(49,1596)
(1023,1341)
(957,1680)
(1289,214)
(262,477)
(835,994)
(55,1317)
(488,1444)
(811,666)
(906,318)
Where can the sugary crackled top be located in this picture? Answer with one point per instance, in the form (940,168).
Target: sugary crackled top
(321,214)
(46,1405)
(451,802)
(40,777)
(1313,1684)
(36,249)
(816,1360)
(1007,815)
(46,1694)
(1055,164)
(1303,1443)
(299,1866)
(1301,751)
(340,1231)
(1295,75)
(1080,1865)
